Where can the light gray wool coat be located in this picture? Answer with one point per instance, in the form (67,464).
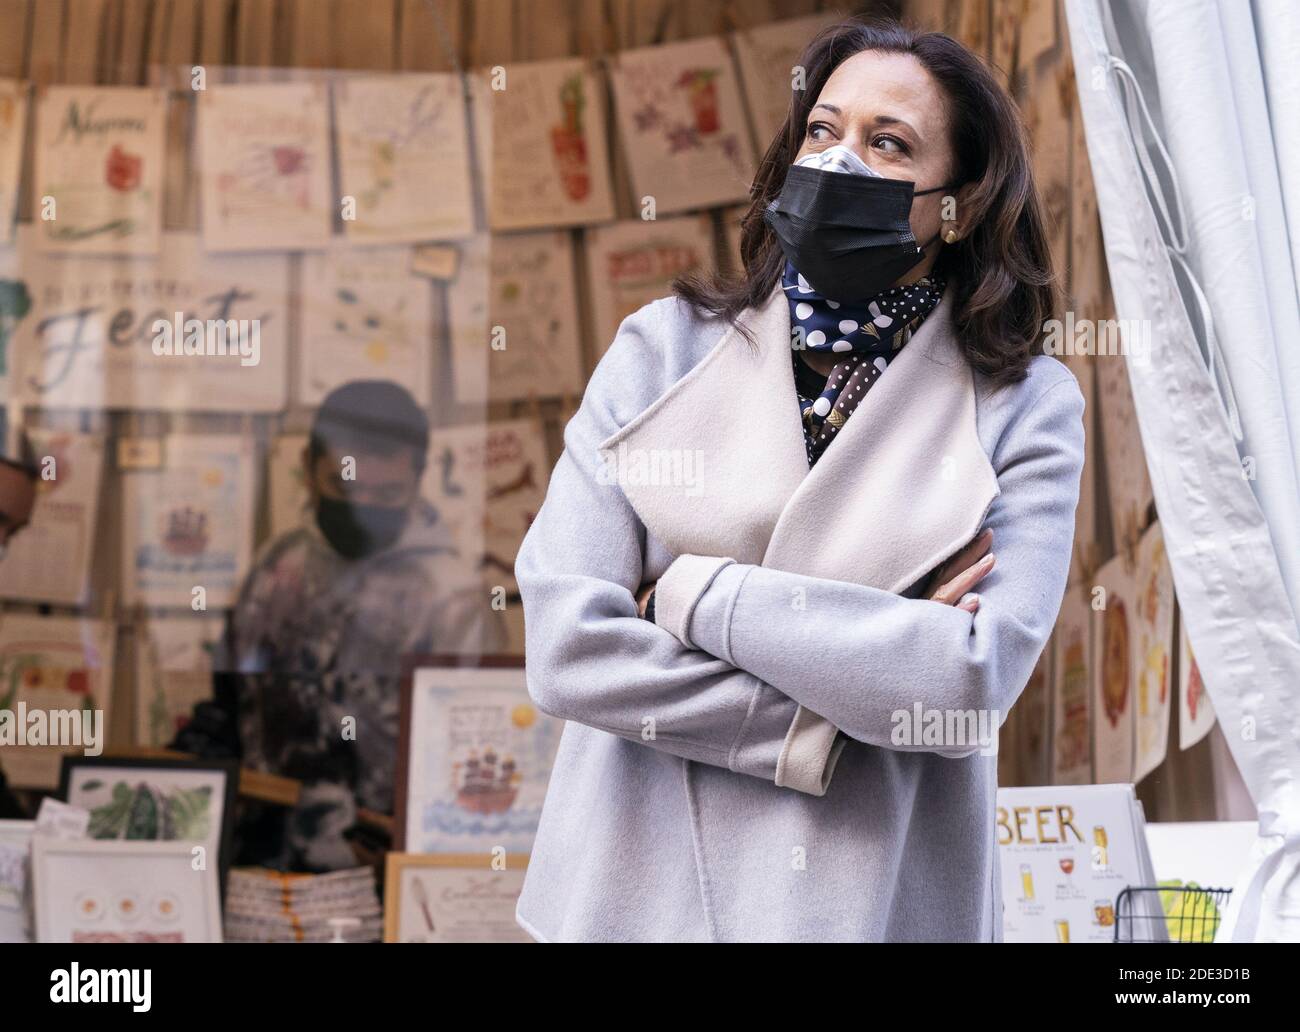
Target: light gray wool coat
(739,769)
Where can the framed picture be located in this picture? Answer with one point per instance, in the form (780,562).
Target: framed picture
(453,898)
(474,757)
(157,800)
(89,890)
(15,879)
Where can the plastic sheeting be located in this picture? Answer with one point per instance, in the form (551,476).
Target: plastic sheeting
(1167,117)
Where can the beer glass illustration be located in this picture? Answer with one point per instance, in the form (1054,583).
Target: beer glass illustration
(1100,857)
(1026,882)
(1062,930)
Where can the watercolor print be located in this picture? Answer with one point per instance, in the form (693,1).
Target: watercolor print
(514,319)
(397,136)
(174,673)
(13,133)
(683,125)
(99,170)
(1153,645)
(55,561)
(91,341)
(189,523)
(766,56)
(1072,691)
(1113,674)
(545,153)
(631,263)
(364,315)
(62,663)
(481,755)
(265,167)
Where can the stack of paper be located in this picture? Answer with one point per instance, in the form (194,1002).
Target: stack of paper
(270,906)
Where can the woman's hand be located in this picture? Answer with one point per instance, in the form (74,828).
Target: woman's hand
(643,596)
(952,583)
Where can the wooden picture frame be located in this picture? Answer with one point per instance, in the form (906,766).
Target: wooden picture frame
(482,894)
(410,665)
(220,837)
(136,891)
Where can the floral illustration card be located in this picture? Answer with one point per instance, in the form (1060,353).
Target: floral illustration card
(544,147)
(683,125)
(768,56)
(1113,677)
(1072,691)
(99,169)
(265,167)
(1153,646)
(404,158)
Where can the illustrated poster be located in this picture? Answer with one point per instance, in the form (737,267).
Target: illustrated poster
(1153,645)
(1072,691)
(1113,720)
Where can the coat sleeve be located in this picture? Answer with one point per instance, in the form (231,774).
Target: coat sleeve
(869,661)
(591,659)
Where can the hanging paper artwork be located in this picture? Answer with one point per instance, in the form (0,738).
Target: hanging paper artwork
(683,125)
(364,315)
(545,152)
(1113,674)
(1153,643)
(514,319)
(768,56)
(54,561)
(634,262)
(1195,711)
(264,167)
(404,158)
(99,170)
(188,527)
(13,134)
(1072,691)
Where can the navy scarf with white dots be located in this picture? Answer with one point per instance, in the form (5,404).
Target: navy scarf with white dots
(867,333)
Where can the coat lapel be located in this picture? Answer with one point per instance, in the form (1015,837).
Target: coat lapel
(716,465)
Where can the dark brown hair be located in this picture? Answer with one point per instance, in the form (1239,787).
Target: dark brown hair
(1000,272)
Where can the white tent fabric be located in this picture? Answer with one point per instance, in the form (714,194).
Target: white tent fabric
(1191,199)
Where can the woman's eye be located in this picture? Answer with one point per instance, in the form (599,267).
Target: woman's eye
(818,132)
(889,144)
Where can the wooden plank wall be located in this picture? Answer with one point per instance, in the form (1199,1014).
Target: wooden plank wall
(157,41)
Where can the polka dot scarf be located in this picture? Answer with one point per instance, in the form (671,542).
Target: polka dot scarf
(868,334)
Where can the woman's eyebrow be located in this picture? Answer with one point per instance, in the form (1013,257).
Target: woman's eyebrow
(894,120)
(829,107)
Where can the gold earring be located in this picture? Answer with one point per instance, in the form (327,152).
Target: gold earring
(950,236)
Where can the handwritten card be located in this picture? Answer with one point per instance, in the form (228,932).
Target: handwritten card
(99,170)
(404,158)
(683,125)
(364,315)
(544,146)
(633,262)
(514,318)
(264,167)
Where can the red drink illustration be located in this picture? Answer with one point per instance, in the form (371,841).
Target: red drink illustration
(701,85)
(569,141)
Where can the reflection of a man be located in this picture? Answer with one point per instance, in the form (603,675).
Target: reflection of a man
(308,685)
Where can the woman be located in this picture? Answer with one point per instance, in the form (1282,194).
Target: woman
(749,590)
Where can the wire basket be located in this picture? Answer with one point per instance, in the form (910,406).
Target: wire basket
(1169,913)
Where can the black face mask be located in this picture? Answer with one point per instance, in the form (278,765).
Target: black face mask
(848,235)
(357,531)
